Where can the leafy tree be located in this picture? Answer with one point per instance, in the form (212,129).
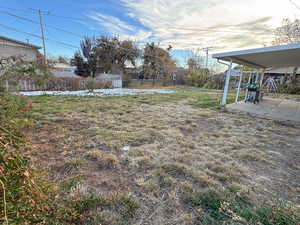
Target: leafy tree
(157,62)
(104,54)
(88,49)
(81,66)
(86,58)
(113,54)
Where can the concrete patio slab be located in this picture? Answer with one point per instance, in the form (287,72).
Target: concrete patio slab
(270,108)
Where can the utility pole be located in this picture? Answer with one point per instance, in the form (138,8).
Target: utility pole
(40,12)
(206,51)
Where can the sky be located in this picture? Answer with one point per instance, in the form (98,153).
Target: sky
(186,25)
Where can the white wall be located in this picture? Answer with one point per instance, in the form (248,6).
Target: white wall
(8,49)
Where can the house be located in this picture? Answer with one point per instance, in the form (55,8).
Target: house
(282,71)
(10,47)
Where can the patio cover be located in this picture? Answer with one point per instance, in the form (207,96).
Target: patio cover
(268,57)
(263,58)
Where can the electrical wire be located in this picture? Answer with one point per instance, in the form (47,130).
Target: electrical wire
(37,36)
(35,22)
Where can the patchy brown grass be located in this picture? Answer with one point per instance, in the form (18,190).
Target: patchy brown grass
(176,148)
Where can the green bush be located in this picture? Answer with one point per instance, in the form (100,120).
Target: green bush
(198,79)
(292,88)
(26,196)
(22,197)
(16,69)
(204,80)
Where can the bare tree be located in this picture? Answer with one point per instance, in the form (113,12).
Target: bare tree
(288,32)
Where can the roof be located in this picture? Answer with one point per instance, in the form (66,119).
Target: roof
(283,70)
(19,42)
(63,65)
(108,76)
(268,57)
(64,74)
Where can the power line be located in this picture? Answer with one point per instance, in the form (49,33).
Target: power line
(50,14)
(35,22)
(37,36)
(207,49)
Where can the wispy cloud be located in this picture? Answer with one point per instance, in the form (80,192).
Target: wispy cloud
(111,23)
(190,24)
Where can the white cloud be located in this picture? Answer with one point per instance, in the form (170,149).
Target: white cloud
(111,23)
(226,24)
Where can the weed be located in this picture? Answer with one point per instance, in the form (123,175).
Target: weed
(112,209)
(175,169)
(254,156)
(109,161)
(95,155)
(73,165)
(72,182)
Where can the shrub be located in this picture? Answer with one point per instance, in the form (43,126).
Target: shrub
(204,80)
(23,197)
(90,84)
(14,69)
(292,88)
(198,79)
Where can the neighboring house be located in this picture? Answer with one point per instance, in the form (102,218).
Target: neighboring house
(10,47)
(63,70)
(116,79)
(282,71)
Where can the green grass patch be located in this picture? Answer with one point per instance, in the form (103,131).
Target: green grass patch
(235,207)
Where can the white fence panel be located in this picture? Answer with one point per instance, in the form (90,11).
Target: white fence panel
(117,83)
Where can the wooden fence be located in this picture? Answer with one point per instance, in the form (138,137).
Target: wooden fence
(61,84)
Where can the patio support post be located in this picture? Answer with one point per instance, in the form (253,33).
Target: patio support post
(239,88)
(262,78)
(226,87)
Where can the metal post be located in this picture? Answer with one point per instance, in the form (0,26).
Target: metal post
(226,87)
(239,88)
(262,78)
(256,78)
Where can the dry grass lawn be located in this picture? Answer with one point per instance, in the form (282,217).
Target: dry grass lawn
(179,143)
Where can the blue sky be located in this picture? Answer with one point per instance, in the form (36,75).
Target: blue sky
(185,24)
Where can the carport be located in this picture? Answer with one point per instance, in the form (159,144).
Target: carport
(261,59)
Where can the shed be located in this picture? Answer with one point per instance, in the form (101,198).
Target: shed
(115,78)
